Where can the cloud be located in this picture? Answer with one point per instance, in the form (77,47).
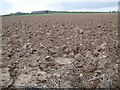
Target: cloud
(98,6)
(12,6)
(9,6)
(96,10)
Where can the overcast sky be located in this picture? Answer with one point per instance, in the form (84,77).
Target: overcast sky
(12,6)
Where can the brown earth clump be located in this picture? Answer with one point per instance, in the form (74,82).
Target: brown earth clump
(60,51)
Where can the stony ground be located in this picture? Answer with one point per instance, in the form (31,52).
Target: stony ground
(60,51)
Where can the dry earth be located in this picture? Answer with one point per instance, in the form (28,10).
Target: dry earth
(60,51)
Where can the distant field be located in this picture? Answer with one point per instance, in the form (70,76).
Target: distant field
(58,13)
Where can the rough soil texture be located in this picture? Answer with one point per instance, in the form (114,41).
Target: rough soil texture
(60,51)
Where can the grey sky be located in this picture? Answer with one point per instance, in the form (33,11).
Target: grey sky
(12,6)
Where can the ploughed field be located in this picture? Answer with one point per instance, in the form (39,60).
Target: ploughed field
(60,51)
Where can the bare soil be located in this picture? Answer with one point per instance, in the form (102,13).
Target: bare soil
(60,51)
